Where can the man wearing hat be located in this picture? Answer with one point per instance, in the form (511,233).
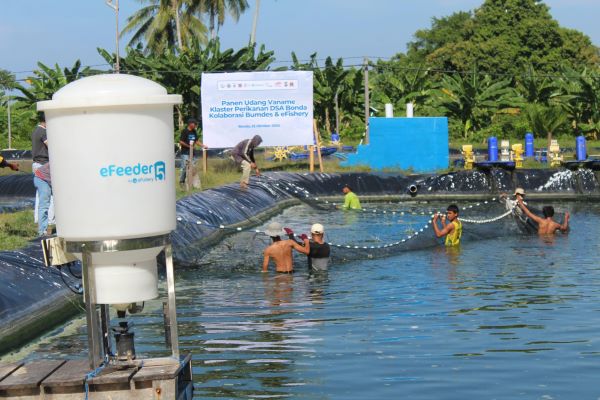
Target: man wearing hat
(188,140)
(280,250)
(511,204)
(316,250)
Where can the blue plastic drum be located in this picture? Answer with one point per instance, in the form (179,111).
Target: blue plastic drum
(529,148)
(580,148)
(492,149)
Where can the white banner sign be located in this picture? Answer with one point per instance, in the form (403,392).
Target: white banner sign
(278,106)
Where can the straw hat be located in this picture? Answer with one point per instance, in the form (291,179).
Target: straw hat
(274,229)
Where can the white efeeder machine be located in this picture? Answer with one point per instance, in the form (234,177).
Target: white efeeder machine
(112,162)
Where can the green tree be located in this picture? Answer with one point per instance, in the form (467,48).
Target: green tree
(217,10)
(545,119)
(180,73)
(473,99)
(46,81)
(165,25)
(397,85)
(502,37)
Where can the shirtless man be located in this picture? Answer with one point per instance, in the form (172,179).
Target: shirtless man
(279,250)
(546,226)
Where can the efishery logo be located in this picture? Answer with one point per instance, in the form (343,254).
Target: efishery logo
(139,173)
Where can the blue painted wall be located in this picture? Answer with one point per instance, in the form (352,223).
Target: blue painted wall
(420,144)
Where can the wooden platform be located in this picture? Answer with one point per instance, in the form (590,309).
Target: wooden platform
(154,378)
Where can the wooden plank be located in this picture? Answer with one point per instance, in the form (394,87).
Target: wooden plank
(30,375)
(71,373)
(112,374)
(7,369)
(151,368)
(160,372)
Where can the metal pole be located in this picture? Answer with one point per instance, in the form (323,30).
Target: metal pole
(9,128)
(172,300)
(254,23)
(337,112)
(89,295)
(115,7)
(367,105)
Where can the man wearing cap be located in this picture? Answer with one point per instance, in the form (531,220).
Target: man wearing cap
(280,250)
(188,140)
(316,250)
(243,155)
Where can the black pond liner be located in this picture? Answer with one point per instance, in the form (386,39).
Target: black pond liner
(27,286)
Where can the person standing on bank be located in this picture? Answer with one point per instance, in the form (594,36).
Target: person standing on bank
(43,183)
(188,140)
(39,154)
(452,230)
(39,144)
(243,155)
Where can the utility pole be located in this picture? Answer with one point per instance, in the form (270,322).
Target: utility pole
(9,128)
(337,112)
(254,23)
(115,6)
(367,105)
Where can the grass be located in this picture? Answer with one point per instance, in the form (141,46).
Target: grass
(16,229)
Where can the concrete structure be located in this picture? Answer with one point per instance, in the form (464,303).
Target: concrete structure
(417,144)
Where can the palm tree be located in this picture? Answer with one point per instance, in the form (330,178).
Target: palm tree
(545,119)
(165,24)
(216,10)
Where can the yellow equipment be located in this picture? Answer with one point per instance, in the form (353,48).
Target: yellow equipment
(280,153)
(554,154)
(469,156)
(517,150)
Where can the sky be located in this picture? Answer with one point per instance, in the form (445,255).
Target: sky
(63,31)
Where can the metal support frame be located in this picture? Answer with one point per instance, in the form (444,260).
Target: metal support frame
(98,326)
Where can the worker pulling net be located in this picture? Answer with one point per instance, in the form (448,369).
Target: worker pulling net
(389,230)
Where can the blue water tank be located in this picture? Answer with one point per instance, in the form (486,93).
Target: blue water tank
(492,149)
(580,148)
(529,148)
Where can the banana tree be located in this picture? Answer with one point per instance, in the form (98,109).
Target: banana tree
(46,81)
(399,86)
(473,99)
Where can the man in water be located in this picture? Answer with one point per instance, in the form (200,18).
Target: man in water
(351,201)
(243,155)
(546,226)
(280,250)
(452,230)
(316,250)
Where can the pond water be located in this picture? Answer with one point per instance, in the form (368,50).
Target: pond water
(507,316)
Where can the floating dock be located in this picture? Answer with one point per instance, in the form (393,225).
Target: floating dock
(154,378)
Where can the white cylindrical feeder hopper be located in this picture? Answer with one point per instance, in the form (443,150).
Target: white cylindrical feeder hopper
(409,110)
(110,144)
(389,110)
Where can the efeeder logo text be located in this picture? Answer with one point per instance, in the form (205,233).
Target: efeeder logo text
(138,173)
